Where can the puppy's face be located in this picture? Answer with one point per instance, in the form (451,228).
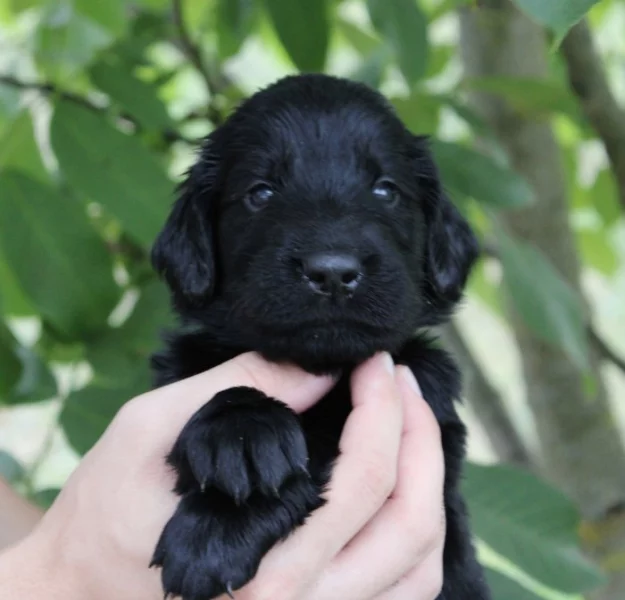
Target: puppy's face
(314,224)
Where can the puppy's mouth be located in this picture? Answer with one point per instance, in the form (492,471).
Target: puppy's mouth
(320,335)
(325,346)
(316,328)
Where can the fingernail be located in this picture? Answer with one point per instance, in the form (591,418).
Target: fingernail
(389,365)
(410,379)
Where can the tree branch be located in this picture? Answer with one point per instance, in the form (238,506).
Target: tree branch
(50,89)
(589,82)
(604,351)
(170,135)
(488,404)
(214,85)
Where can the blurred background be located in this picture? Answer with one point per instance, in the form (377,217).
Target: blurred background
(101,106)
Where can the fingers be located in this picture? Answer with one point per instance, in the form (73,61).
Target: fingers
(171,406)
(362,480)
(366,472)
(423,582)
(409,529)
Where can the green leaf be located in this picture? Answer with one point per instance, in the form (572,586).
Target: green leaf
(235,20)
(113,169)
(371,70)
(504,588)
(45,498)
(531,97)
(88,412)
(419,112)
(10,469)
(469,116)
(12,298)
(19,149)
(198,16)
(598,252)
(604,197)
(10,101)
(117,354)
(36,383)
(557,15)
(303,29)
(439,59)
(18,6)
(155,4)
(58,349)
(10,365)
(468,173)
(486,290)
(139,98)
(66,41)
(403,25)
(111,14)
(531,524)
(61,264)
(441,8)
(364,42)
(146,29)
(545,302)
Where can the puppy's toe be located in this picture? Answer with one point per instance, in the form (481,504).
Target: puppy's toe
(198,559)
(240,442)
(211,547)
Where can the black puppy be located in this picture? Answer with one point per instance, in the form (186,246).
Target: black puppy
(312,229)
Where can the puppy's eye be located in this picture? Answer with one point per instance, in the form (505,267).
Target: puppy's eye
(258,197)
(386,191)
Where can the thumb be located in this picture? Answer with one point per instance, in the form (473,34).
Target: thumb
(178,401)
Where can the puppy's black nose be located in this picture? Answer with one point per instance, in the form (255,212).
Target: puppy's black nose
(332,273)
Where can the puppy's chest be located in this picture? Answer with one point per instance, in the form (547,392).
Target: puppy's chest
(323,423)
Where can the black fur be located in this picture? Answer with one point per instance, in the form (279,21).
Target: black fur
(249,470)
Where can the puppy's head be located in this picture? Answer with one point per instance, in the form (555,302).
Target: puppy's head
(314,228)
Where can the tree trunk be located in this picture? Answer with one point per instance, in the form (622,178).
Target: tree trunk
(581,450)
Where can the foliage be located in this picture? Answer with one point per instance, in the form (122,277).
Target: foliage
(100,105)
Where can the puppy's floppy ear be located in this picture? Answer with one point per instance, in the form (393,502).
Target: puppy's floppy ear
(183,252)
(451,248)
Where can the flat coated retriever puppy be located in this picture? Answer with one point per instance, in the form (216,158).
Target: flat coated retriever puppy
(313,229)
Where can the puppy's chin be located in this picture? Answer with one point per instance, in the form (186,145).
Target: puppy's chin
(328,349)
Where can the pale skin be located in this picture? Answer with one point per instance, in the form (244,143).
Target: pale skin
(380,536)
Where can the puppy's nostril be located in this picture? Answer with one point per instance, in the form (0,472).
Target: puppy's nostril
(349,277)
(332,273)
(316,277)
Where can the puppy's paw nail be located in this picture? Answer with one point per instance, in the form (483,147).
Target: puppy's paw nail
(275,492)
(229,590)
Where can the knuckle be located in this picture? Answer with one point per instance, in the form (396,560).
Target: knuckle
(425,536)
(280,586)
(433,581)
(379,476)
(431,538)
(131,415)
(249,372)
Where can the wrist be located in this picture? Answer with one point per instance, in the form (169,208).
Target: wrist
(31,570)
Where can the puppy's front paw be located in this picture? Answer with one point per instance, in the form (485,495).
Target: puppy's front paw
(211,547)
(239,443)
(241,471)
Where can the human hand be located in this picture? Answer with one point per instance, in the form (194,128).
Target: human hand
(18,517)
(383,521)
